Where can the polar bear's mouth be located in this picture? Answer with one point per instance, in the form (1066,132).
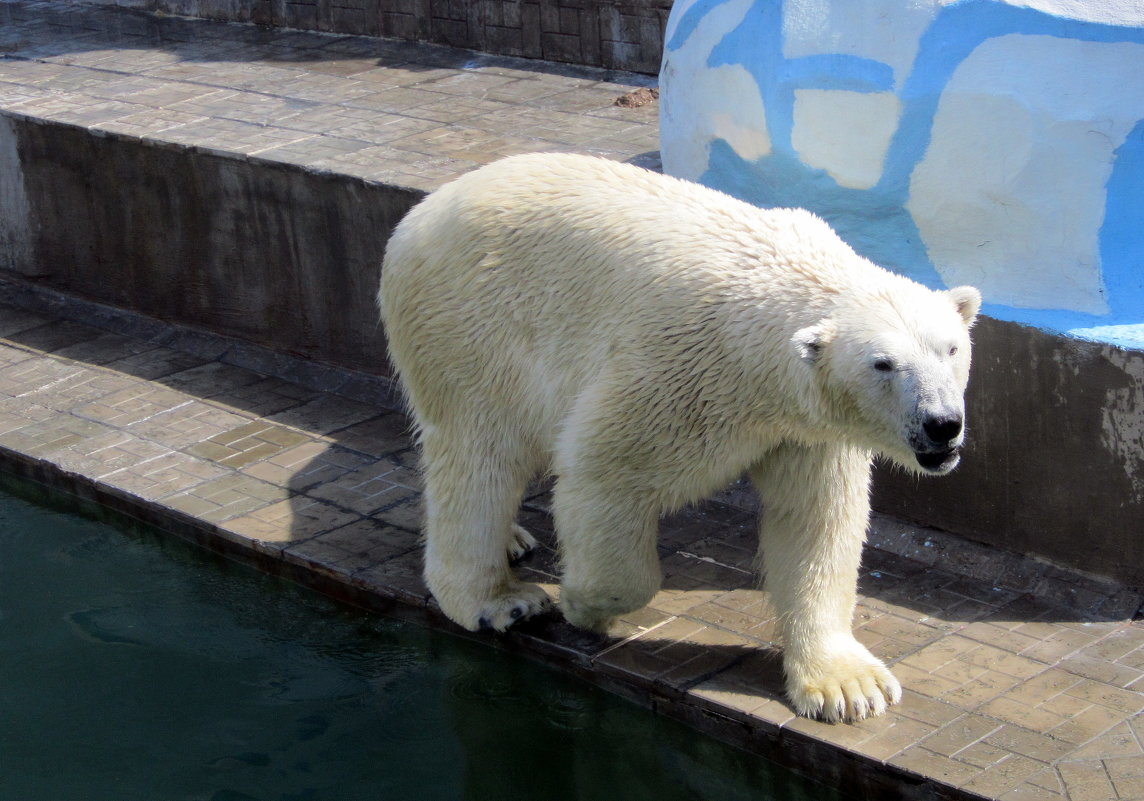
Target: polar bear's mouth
(938,461)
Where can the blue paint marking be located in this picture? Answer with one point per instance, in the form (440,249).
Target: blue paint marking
(1075,324)
(690,21)
(838,72)
(883,232)
(874,221)
(760,34)
(1130,337)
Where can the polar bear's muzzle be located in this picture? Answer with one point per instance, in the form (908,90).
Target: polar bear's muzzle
(939,461)
(940,449)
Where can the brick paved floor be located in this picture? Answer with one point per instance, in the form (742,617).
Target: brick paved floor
(1023,681)
(409,115)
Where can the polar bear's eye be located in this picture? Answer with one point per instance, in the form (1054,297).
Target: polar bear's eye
(953,351)
(883,365)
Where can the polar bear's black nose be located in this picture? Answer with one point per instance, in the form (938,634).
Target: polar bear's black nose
(943,429)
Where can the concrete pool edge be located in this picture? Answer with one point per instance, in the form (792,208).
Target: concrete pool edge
(799,751)
(696,678)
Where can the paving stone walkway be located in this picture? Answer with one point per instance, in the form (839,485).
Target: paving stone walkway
(409,115)
(1023,681)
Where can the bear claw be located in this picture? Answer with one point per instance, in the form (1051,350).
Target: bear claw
(501,612)
(521,543)
(851,686)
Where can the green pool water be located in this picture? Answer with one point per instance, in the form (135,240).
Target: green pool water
(133,666)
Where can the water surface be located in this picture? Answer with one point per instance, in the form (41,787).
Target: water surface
(133,666)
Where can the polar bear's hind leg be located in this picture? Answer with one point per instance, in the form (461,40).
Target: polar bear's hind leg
(472,493)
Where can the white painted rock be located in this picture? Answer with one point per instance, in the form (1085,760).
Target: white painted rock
(993,143)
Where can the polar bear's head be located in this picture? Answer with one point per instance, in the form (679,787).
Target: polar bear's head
(892,367)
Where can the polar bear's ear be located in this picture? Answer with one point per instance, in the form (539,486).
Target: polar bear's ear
(967,300)
(809,342)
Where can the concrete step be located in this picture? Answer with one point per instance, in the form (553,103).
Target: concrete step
(244,179)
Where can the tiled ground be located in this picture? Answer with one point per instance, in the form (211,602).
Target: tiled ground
(1023,681)
(409,115)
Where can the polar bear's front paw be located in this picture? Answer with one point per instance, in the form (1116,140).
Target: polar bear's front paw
(518,601)
(846,684)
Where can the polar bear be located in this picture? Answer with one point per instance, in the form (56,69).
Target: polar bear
(646,340)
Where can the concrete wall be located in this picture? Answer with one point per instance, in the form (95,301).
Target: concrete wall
(268,253)
(986,142)
(1055,461)
(614,34)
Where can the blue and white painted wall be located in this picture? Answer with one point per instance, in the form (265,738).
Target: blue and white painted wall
(998,143)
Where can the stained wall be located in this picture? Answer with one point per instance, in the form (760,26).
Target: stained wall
(996,143)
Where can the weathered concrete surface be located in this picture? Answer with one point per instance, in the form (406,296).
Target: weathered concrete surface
(1055,459)
(245,180)
(1021,681)
(616,34)
(267,252)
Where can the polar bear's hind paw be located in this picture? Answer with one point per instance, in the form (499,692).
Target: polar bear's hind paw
(521,543)
(524,601)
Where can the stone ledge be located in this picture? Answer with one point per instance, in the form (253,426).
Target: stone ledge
(614,34)
(1014,688)
(147,153)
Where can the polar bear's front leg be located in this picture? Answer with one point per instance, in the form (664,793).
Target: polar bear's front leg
(815,512)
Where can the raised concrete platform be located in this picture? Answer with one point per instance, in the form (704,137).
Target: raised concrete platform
(245,179)
(1022,681)
(237,184)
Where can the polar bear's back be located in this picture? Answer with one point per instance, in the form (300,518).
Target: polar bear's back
(530,276)
(547,233)
(528,214)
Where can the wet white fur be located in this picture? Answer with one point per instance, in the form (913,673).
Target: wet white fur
(647,340)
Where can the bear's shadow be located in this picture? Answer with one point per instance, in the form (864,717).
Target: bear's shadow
(710,619)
